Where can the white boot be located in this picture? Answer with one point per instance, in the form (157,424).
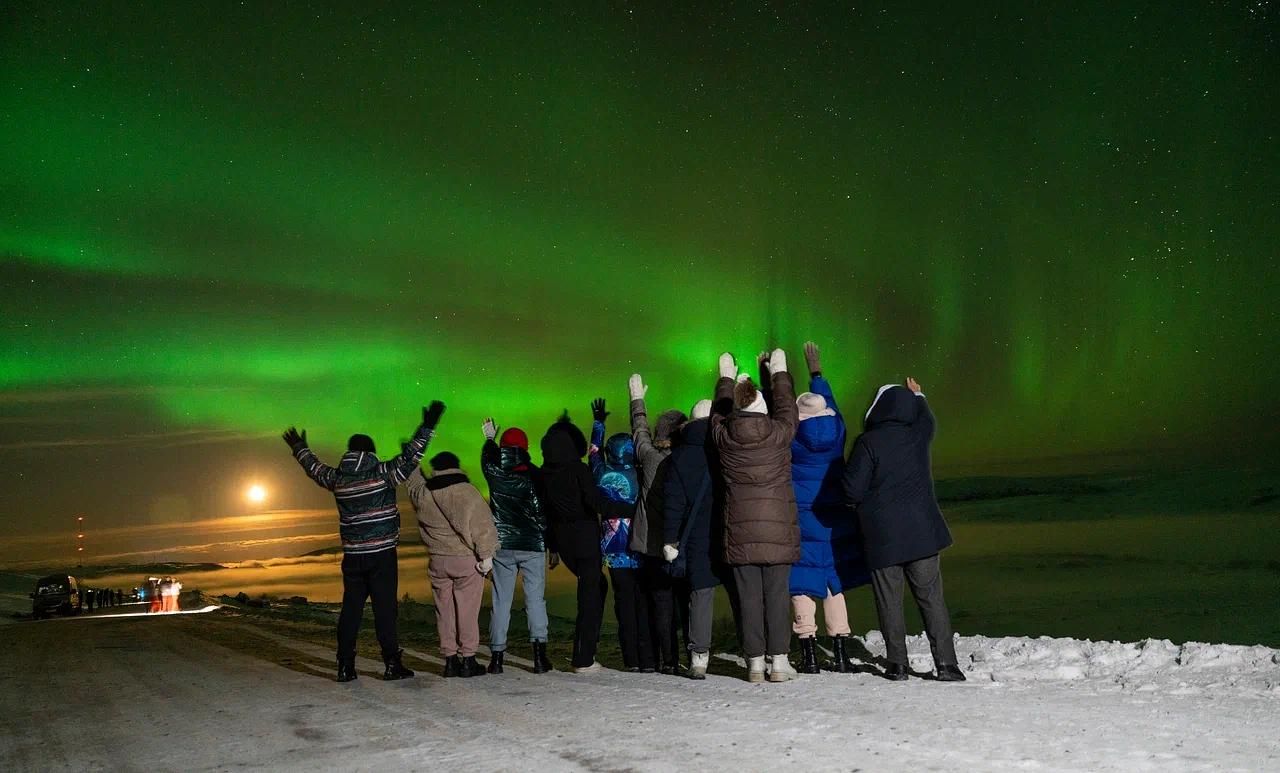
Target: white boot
(698,664)
(755,669)
(779,669)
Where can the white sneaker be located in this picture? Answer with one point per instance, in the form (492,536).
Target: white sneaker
(780,669)
(755,669)
(698,664)
(594,668)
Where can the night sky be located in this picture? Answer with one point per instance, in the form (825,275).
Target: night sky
(225,219)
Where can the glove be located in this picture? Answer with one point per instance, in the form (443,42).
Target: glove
(669,553)
(294,439)
(597,410)
(777,362)
(636,387)
(728,368)
(490,429)
(431,414)
(485,566)
(553,560)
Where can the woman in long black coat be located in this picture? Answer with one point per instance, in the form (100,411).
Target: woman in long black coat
(890,481)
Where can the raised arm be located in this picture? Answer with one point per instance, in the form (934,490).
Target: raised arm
(595,455)
(817,383)
(640,434)
(398,470)
(784,392)
(324,475)
(925,426)
(490,456)
(722,402)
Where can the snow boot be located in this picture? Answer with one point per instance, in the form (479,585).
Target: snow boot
(755,669)
(698,664)
(809,656)
(840,655)
(780,669)
(541,663)
(594,668)
(895,672)
(470,667)
(395,668)
(495,662)
(347,669)
(452,666)
(950,673)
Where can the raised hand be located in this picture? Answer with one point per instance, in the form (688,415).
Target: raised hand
(914,385)
(778,362)
(489,428)
(293,438)
(636,387)
(812,357)
(728,368)
(553,559)
(597,409)
(432,413)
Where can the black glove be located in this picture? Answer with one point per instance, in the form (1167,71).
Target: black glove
(431,414)
(597,410)
(294,439)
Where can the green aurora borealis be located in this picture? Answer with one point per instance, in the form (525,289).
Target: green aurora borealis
(219,221)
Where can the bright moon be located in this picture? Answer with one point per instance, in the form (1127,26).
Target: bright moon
(256,493)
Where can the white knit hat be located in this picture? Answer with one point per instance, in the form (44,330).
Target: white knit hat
(813,405)
(701,410)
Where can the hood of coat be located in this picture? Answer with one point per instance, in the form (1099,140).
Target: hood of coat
(358,461)
(514,458)
(820,433)
(665,432)
(694,433)
(894,404)
(748,429)
(620,451)
(564,443)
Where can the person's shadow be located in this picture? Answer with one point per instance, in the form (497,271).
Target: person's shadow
(864,662)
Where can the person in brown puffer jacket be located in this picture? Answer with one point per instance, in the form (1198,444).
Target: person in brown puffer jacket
(761,534)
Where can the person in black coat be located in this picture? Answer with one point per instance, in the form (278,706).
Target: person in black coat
(688,524)
(889,481)
(574,506)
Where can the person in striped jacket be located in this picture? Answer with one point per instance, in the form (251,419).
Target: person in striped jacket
(369,524)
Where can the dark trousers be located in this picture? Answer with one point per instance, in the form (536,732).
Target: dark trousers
(663,612)
(579,545)
(765,599)
(924,575)
(368,576)
(632,612)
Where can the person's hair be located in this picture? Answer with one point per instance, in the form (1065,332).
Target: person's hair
(361,443)
(445,460)
(744,394)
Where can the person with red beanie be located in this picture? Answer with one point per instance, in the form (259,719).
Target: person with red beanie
(521,520)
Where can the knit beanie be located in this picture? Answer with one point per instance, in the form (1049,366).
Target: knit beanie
(747,398)
(444,461)
(701,410)
(813,405)
(361,443)
(514,437)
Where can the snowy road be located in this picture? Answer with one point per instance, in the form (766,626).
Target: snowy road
(153,694)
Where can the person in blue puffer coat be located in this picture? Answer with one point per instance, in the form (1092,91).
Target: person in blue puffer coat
(830,555)
(614,468)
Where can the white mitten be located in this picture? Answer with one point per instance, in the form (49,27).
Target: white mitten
(489,428)
(485,566)
(777,362)
(728,368)
(636,387)
(669,553)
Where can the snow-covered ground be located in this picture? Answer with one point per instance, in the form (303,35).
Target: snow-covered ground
(157,693)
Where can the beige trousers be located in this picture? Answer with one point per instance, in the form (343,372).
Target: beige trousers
(805,610)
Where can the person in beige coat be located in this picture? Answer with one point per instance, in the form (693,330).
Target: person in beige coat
(457,528)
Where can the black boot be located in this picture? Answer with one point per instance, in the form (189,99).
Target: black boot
(541,663)
(495,662)
(840,655)
(809,656)
(895,672)
(470,667)
(347,669)
(395,668)
(452,666)
(950,673)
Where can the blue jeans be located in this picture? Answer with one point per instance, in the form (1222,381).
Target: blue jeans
(532,565)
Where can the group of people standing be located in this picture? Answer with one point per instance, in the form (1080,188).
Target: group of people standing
(751,490)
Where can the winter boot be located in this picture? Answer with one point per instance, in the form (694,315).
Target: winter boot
(495,662)
(541,663)
(895,672)
(470,667)
(452,666)
(395,668)
(780,669)
(809,656)
(755,669)
(347,669)
(698,664)
(950,673)
(840,654)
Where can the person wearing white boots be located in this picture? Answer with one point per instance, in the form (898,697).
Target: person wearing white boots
(761,536)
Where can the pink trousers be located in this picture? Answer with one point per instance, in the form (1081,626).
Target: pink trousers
(805,613)
(458,589)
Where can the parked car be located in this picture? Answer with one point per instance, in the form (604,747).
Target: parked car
(55,594)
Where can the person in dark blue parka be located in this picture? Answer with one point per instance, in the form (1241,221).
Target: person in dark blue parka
(830,556)
(890,482)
